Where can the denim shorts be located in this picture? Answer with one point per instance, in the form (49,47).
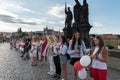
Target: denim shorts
(63,59)
(73,60)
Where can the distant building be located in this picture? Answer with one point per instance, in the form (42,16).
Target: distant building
(50,31)
(109,36)
(111,40)
(5,36)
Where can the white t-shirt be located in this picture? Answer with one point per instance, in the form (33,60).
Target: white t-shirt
(57,45)
(76,55)
(50,49)
(34,47)
(96,63)
(63,49)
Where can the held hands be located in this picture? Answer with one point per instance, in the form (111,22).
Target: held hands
(93,56)
(58,48)
(31,51)
(60,53)
(77,51)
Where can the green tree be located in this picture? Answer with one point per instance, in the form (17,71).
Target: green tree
(23,34)
(118,36)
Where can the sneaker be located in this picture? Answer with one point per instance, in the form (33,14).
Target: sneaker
(28,58)
(52,73)
(48,73)
(58,77)
(62,79)
(33,64)
(21,55)
(24,58)
(54,76)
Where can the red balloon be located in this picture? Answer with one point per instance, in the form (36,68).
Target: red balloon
(78,66)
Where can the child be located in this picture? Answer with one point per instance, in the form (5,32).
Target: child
(34,51)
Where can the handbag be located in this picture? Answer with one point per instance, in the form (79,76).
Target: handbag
(68,56)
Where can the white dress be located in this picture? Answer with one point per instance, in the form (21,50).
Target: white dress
(98,64)
(34,49)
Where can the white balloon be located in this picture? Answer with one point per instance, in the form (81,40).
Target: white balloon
(85,60)
(82,74)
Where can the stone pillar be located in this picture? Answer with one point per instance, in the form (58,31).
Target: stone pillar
(68,32)
(84,30)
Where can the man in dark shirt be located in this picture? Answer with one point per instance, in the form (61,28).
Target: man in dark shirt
(92,37)
(91,41)
(27,48)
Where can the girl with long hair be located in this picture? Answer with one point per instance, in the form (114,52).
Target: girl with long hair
(63,57)
(56,58)
(99,58)
(76,50)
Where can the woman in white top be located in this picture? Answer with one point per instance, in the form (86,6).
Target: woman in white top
(100,57)
(34,51)
(56,58)
(63,57)
(76,50)
(50,55)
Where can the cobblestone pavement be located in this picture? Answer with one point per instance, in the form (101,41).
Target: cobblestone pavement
(12,67)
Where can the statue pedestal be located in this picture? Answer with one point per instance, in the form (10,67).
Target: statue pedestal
(81,22)
(84,31)
(68,32)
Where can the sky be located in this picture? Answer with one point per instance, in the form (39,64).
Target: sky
(34,15)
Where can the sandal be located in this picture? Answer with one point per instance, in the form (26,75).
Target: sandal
(33,64)
(58,77)
(54,76)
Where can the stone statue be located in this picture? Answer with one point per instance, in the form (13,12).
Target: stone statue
(77,12)
(69,16)
(85,13)
(81,21)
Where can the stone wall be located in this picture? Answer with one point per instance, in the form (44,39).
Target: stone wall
(114,63)
(114,53)
(114,59)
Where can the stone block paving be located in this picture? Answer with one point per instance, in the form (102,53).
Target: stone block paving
(12,67)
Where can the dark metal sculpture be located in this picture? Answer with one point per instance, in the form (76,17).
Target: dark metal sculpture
(85,13)
(81,21)
(69,16)
(77,12)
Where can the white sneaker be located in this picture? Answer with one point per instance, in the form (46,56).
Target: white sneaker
(52,73)
(62,79)
(48,73)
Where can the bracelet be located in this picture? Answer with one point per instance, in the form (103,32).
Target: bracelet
(96,57)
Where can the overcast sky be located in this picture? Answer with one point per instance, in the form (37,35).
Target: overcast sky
(34,15)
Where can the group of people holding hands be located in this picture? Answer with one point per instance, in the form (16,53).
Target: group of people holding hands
(57,50)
